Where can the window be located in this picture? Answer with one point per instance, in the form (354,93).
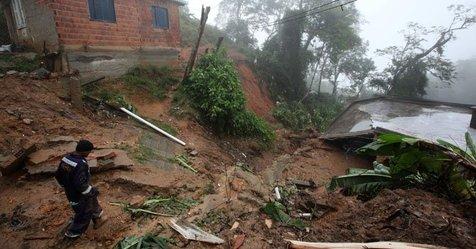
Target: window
(160,17)
(102,10)
(18,14)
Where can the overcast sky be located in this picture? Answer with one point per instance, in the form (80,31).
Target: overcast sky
(384,19)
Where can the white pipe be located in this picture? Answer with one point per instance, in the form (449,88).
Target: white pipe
(153,126)
(278,195)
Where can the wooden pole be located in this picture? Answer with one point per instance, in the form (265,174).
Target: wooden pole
(193,56)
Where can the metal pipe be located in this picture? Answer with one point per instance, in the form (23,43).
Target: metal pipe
(153,126)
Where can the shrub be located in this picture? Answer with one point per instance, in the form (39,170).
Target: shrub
(215,92)
(155,80)
(313,114)
(293,116)
(115,98)
(325,113)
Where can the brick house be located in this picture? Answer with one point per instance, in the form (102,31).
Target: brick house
(97,36)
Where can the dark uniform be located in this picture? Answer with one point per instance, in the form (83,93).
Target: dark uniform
(74,176)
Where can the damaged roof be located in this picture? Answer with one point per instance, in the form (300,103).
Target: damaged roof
(428,120)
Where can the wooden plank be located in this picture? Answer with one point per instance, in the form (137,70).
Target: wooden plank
(373,245)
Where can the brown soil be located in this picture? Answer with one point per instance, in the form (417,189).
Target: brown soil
(34,212)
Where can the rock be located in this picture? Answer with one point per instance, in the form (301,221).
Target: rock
(52,153)
(238,241)
(27,121)
(273,174)
(23,74)
(194,153)
(238,184)
(12,72)
(235,225)
(268,223)
(54,75)
(2,75)
(253,180)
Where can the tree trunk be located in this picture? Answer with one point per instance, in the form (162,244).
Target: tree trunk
(324,62)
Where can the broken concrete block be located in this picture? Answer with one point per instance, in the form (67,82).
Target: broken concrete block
(110,159)
(56,152)
(11,73)
(14,162)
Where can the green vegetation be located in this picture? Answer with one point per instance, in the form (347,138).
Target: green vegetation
(154,80)
(213,218)
(115,98)
(18,63)
(215,92)
(277,212)
(184,161)
(411,163)
(298,116)
(169,205)
(157,205)
(145,242)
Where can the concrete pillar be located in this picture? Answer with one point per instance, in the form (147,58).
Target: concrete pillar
(75,93)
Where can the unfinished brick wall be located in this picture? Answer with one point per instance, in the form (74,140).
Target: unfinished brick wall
(133,27)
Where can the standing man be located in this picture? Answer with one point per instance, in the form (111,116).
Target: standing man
(74,176)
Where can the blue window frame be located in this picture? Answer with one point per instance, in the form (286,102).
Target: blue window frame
(102,10)
(160,17)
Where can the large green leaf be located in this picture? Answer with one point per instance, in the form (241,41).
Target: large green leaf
(455,149)
(471,146)
(365,184)
(276,211)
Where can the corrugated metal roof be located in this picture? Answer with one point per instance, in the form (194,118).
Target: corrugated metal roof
(427,120)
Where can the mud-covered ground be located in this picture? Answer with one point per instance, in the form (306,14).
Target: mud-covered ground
(235,179)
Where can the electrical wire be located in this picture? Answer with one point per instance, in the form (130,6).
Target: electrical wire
(310,12)
(304,12)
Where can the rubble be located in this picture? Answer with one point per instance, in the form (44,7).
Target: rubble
(40,74)
(11,73)
(45,162)
(12,163)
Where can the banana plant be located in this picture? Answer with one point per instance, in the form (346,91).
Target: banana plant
(409,164)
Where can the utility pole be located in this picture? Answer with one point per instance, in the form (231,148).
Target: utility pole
(193,56)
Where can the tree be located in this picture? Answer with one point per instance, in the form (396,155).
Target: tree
(410,64)
(238,31)
(284,62)
(358,68)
